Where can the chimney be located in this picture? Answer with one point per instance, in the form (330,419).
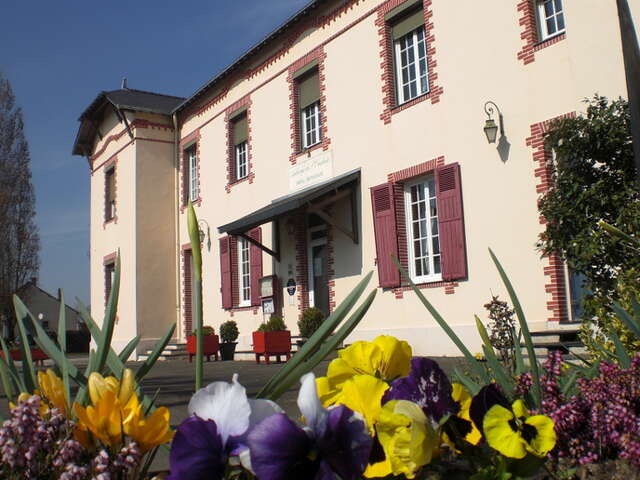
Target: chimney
(124,83)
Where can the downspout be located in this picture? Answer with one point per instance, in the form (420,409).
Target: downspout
(176,221)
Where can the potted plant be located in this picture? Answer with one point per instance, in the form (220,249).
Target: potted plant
(309,322)
(229,334)
(272,339)
(210,343)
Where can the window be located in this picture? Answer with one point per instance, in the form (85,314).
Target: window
(577,294)
(422,230)
(243,272)
(550,18)
(109,273)
(410,57)
(308,86)
(110,193)
(192,190)
(239,132)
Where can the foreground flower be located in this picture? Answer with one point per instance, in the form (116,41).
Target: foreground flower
(335,442)
(221,416)
(513,432)
(148,432)
(52,388)
(463,399)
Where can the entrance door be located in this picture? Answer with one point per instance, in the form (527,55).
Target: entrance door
(318,267)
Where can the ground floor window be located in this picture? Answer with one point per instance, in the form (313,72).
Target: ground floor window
(577,294)
(244,272)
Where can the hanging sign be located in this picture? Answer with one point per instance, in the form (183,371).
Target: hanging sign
(291,286)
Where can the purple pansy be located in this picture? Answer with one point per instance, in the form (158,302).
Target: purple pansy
(335,443)
(197,451)
(426,385)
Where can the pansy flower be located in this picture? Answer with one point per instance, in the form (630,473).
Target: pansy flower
(221,416)
(334,443)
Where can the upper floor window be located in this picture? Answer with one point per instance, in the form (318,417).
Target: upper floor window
(191,174)
(240,145)
(109,275)
(410,57)
(422,229)
(110,193)
(308,87)
(550,18)
(244,272)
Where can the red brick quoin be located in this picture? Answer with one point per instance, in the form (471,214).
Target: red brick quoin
(231,175)
(320,55)
(386,55)
(532,43)
(554,268)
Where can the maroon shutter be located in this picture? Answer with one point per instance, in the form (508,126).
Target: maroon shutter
(384,223)
(188,292)
(255,268)
(451,222)
(225,272)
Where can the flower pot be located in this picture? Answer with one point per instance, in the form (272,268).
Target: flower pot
(210,346)
(227,350)
(37,355)
(272,344)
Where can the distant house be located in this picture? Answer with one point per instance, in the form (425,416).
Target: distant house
(45,307)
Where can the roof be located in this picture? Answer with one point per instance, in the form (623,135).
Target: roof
(122,99)
(34,285)
(284,205)
(252,50)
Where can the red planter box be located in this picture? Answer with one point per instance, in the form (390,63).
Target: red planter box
(210,346)
(272,343)
(37,355)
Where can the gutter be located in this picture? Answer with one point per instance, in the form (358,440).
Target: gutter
(176,220)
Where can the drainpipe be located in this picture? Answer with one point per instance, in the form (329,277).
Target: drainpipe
(176,221)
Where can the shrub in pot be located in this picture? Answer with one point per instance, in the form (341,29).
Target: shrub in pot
(229,334)
(210,343)
(310,321)
(272,338)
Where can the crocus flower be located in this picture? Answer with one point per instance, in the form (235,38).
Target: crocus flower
(221,417)
(334,444)
(105,419)
(513,432)
(52,388)
(148,431)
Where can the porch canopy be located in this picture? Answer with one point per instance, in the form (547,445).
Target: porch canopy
(313,199)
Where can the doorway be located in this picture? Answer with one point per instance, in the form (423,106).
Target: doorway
(318,264)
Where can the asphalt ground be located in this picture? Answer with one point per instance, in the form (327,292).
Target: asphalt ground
(174,380)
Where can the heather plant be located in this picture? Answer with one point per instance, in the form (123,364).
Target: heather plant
(501,327)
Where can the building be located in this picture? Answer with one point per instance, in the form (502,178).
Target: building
(352,132)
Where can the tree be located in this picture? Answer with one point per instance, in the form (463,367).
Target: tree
(19,240)
(593,178)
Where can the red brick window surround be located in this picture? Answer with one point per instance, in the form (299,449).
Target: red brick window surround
(554,267)
(239,143)
(298,71)
(190,145)
(109,263)
(531,33)
(110,190)
(391,13)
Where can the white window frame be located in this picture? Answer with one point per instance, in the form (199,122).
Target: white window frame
(431,277)
(193,173)
(311,124)
(419,68)
(542,18)
(242,165)
(244,273)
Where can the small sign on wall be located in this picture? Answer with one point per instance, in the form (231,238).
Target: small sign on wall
(268,307)
(311,170)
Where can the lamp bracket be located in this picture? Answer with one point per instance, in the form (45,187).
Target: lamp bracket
(490,108)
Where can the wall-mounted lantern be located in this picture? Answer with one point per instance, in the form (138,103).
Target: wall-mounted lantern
(490,127)
(201,233)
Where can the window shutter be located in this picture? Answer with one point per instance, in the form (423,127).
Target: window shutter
(451,222)
(407,24)
(188,292)
(185,177)
(308,89)
(240,129)
(225,272)
(255,268)
(384,223)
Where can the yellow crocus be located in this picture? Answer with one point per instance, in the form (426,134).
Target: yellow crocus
(407,438)
(514,433)
(52,388)
(123,388)
(151,431)
(105,419)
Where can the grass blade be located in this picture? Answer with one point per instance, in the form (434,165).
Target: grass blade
(13,371)
(62,343)
(7,383)
(294,375)
(517,353)
(104,345)
(524,328)
(113,361)
(196,259)
(623,355)
(472,387)
(28,370)
(155,354)
(632,323)
(473,364)
(127,350)
(327,327)
(570,383)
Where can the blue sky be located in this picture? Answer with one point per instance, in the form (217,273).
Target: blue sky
(59,55)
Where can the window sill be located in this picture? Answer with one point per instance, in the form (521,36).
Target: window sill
(449,287)
(549,41)
(308,150)
(245,308)
(197,203)
(412,102)
(250,176)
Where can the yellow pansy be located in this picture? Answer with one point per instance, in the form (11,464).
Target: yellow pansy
(463,398)
(151,431)
(407,438)
(52,388)
(514,433)
(363,394)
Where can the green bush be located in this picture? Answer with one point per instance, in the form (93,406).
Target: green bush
(275,324)
(229,331)
(206,330)
(310,321)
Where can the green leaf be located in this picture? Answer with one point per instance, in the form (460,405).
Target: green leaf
(127,350)
(327,327)
(632,323)
(19,381)
(155,354)
(520,368)
(196,258)
(62,342)
(524,328)
(623,356)
(570,383)
(503,379)
(28,370)
(473,364)
(113,361)
(104,345)
(330,345)
(5,376)
(472,386)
